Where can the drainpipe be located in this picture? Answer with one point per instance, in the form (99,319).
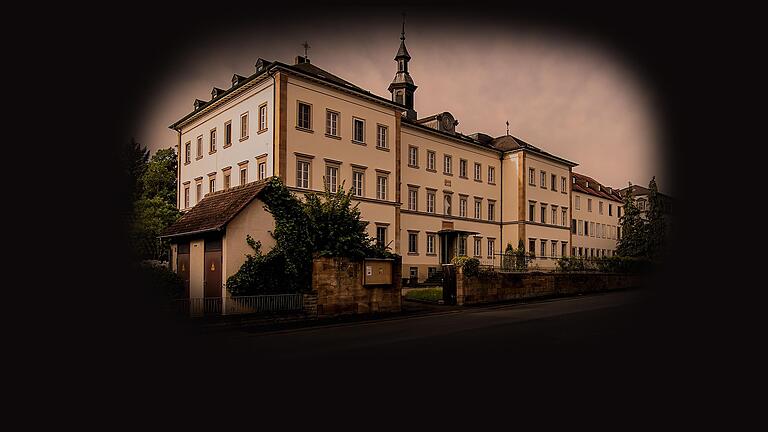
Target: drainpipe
(274,114)
(501,207)
(178,171)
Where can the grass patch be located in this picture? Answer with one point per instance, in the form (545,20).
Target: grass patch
(428,294)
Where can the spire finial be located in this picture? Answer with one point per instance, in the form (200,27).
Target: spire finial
(507,127)
(306,47)
(402,34)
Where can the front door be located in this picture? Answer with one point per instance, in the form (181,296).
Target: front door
(213,272)
(447,247)
(182,265)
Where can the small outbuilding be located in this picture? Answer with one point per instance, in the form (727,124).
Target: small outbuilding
(208,243)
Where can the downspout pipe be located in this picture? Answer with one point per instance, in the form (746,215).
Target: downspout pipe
(274,114)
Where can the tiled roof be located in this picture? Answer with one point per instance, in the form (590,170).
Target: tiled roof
(215,210)
(594,189)
(506,143)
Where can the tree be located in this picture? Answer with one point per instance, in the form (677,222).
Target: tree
(136,157)
(633,241)
(655,221)
(154,208)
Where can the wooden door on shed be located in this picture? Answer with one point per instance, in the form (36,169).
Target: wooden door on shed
(212,269)
(182,265)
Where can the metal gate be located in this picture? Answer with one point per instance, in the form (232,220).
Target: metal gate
(449,284)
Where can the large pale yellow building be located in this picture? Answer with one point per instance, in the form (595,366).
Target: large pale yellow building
(426,190)
(596,211)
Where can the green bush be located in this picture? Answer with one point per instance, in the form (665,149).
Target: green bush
(612,264)
(162,281)
(428,294)
(469,266)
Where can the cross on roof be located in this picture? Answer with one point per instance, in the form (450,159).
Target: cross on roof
(306,47)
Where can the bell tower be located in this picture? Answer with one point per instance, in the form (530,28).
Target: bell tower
(402,87)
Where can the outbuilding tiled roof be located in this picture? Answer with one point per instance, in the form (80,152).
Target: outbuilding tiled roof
(215,210)
(595,188)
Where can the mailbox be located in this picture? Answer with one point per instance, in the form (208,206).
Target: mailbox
(377,271)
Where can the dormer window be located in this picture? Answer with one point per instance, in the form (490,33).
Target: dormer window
(199,104)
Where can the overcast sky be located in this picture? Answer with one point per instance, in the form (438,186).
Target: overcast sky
(567,95)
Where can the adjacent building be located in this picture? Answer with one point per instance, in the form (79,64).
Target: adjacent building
(427,191)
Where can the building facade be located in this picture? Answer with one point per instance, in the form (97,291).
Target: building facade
(427,191)
(596,211)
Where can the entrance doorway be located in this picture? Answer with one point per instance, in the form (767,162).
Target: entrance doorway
(213,272)
(182,266)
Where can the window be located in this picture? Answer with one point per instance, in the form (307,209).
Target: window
(543,179)
(610,209)
(543,250)
(199,146)
(227,134)
(618,233)
(188,152)
(413,196)
(358,130)
(553,182)
(332,177)
(491,247)
(531,211)
(198,192)
(478,246)
(243,126)
(578,202)
(586,228)
(227,180)
(447,205)
(554,249)
(430,202)
(580,225)
(382,137)
(580,252)
(591,229)
(532,176)
(532,246)
(332,123)
(302,174)
(413,243)
(243,175)
(414,272)
(618,211)
(413,156)
(357,183)
(600,207)
(304,116)
(430,160)
(553,221)
(478,172)
(447,164)
(491,174)
(381,187)
(463,206)
(212,185)
(491,210)
(430,244)
(262,117)
(603,231)
(262,170)
(563,185)
(381,235)
(462,246)
(462,168)
(186,196)
(589,204)
(478,209)
(543,213)
(573,226)
(565,216)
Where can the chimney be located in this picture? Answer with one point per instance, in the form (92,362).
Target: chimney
(301,59)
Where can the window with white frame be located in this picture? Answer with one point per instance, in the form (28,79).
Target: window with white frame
(491,210)
(413,156)
(382,137)
(478,172)
(543,214)
(600,207)
(304,116)
(543,179)
(186,196)
(532,176)
(553,182)
(463,206)
(263,117)
(478,209)
(462,168)
(212,141)
(580,225)
(591,229)
(243,175)
(243,126)
(554,248)
(430,244)
(262,170)
(188,152)
(227,134)
(413,242)
(302,174)
(447,164)
(332,177)
(227,180)
(199,146)
(212,185)
(478,249)
(543,250)
(563,185)
(578,202)
(430,202)
(198,192)
(462,246)
(431,160)
(491,247)
(358,177)
(589,204)
(491,174)
(564,212)
(358,130)
(381,235)
(332,123)
(413,197)
(554,215)
(381,187)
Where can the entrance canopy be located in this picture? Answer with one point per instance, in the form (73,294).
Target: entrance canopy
(455,231)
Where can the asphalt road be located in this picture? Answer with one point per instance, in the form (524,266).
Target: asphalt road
(611,327)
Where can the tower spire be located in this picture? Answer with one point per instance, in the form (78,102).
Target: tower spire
(402,87)
(402,34)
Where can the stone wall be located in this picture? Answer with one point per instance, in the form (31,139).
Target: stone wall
(338,284)
(498,287)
